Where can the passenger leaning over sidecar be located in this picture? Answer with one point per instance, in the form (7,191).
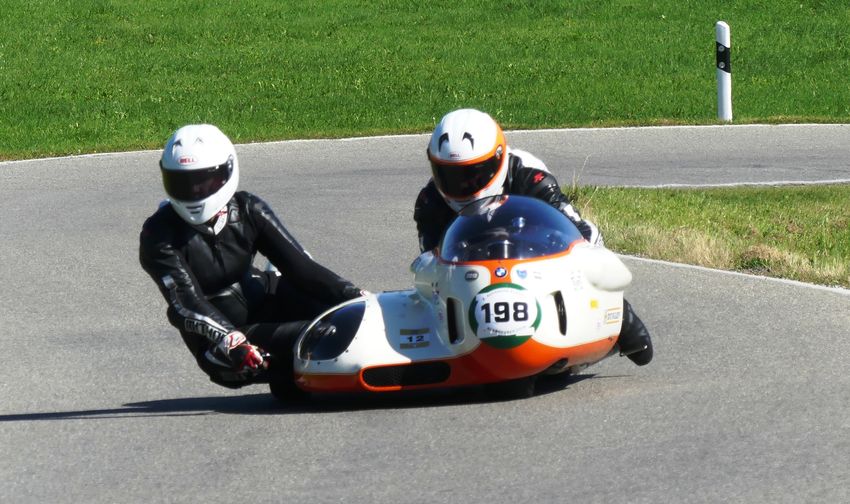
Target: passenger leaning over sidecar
(470,159)
(199,249)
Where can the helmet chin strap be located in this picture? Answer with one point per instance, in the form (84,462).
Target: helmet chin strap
(215,224)
(220,221)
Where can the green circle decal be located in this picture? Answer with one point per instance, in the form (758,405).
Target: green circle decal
(504,315)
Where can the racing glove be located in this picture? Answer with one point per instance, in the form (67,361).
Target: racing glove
(241,354)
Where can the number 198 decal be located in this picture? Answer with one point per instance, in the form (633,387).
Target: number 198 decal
(502,311)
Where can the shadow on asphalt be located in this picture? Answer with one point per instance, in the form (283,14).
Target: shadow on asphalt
(265,404)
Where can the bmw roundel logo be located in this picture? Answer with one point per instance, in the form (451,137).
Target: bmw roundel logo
(500,272)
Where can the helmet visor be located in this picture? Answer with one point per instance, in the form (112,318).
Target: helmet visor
(462,181)
(195,185)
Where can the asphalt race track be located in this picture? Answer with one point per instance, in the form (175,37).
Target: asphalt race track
(748,399)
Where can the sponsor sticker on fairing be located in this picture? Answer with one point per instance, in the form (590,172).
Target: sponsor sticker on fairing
(613,315)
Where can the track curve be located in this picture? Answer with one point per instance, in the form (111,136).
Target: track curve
(748,398)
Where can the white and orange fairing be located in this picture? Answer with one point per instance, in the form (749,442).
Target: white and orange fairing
(531,296)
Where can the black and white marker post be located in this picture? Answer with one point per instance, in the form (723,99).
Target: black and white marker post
(724,72)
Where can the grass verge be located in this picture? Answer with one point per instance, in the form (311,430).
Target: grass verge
(800,232)
(105,75)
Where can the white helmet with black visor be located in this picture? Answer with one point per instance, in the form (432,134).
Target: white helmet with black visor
(200,172)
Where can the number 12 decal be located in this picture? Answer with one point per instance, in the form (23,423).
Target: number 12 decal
(414,338)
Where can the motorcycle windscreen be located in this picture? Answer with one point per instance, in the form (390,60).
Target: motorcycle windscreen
(507,227)
(346,319)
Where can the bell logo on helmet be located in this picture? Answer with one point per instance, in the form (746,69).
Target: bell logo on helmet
(186,160)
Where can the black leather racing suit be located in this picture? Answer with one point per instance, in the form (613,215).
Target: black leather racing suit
(433,215)
(212,287)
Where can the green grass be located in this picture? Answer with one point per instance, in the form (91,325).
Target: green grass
(801,233)
(102,75)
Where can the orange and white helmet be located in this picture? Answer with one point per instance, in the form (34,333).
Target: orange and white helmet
(469,157)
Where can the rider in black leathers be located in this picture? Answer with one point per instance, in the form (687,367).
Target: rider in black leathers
(471,160)
(199,249)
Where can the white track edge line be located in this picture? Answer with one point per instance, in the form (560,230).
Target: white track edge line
(738,184)
(413,135)
(835,290)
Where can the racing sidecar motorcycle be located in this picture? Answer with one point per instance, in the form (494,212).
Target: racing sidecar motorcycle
(512,292)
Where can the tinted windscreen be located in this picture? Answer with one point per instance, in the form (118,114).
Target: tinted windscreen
(507,227)
(347,322)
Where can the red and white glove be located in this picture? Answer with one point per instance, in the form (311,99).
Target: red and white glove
(241,353)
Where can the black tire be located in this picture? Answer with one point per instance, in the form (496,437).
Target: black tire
(520,388)
(286,391)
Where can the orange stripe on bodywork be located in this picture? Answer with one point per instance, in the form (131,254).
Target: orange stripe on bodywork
(483,365)
(487,364)
(329,382)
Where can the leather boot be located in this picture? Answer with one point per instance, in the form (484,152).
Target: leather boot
(634,341)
